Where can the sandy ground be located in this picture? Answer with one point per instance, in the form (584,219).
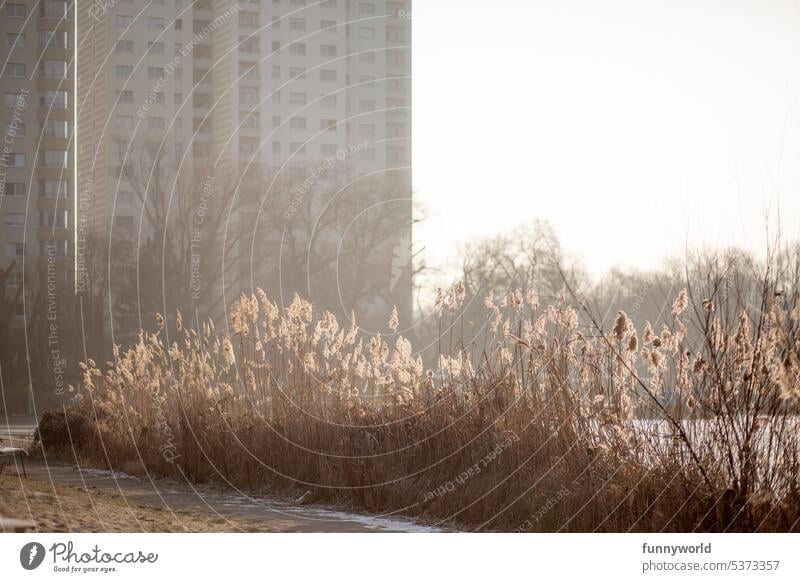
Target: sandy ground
(59,508)
(59,497)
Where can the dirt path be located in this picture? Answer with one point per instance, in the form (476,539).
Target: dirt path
(58,497)
(59,508)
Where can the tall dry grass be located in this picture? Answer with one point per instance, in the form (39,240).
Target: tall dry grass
(554,424)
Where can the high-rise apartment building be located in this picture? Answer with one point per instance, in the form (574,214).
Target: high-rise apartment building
(159,154)
(37,211)
(285,108)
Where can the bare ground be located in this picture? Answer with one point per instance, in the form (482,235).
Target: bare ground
(61,498)
(59,508)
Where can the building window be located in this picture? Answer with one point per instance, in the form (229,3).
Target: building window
(276,121)
(155,48)
(328,149)
(248,70)
(120,148)
(368,154)
(54,99)
(123,20)
(276,46)
(201,76)
(327,50)
(367,80)
(56,128)
(55,158)
(366,8)
(155,72)
(297,24)
(125,198)
(15,189)
(123,46)
(297,49)
(10,99)
(276,72)
(16,11)
(18,130)
(248,45)
(15,40)
(15,249)
(201,150)
(124,224)
(248,145)
(327,75)
(297,148)
(15,160)
(55,39)
(123,71)
(394,34)
(367,58)
(15,219)
(276,147)
(201,100)
(248,19)
(297,123)
(248,95)
(125,96)
(366,33)
(201,125)
(54,217)
(297,98)
(394,57)
(366,130)
(15,70)
(327,26)
(155,23)
(250,120)
(276,97)
(54,248)
(155,122)
(178,24)
(54,9)
(328,101)
(53,70)
(328,124)
(54,189)
(123,122)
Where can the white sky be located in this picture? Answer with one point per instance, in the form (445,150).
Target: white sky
(632,126)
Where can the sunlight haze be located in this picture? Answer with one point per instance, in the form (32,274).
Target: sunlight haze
(633,128)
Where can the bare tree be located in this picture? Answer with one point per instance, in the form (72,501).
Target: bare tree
(344,243)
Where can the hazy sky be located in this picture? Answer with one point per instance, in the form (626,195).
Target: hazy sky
(631,126)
